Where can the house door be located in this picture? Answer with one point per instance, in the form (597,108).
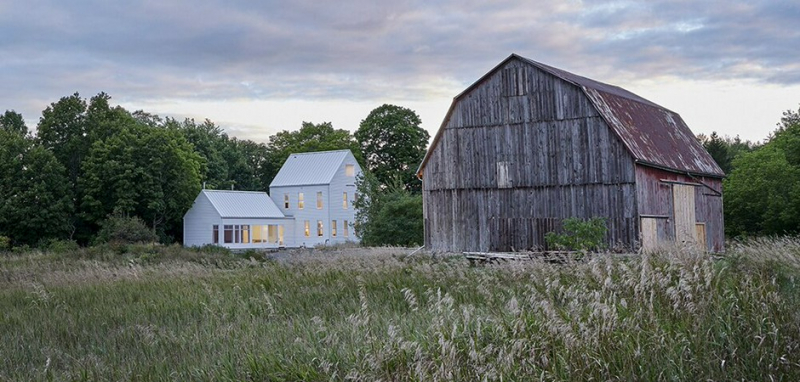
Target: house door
(683,213)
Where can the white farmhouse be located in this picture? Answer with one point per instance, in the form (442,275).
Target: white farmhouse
(318,190)
(310,202)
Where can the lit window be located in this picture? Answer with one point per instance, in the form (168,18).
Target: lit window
(308,229)
(333,228)
(280,235)
(273,234)
(215,238)
(349,170)
(258,234)
(246,234)
(300,201)
(319,228)
(319,200)
(346,233)
(344,201)
(285,200)
(228,234)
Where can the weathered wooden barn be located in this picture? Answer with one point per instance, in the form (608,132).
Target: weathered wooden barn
(529,145)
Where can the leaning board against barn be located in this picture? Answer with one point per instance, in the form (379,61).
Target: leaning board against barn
(529,145)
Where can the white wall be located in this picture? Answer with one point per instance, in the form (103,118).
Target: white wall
(340,184)
(198,221)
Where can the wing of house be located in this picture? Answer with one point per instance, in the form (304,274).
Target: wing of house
(317,189)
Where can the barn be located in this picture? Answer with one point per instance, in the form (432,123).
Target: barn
(529,145)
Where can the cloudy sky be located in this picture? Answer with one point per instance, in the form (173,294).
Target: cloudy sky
(257,67)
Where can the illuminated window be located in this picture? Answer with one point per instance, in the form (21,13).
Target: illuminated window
(349,170)
(280,235)
(258,234)
(346,233)
(344,201)
(273,234)
(300,201)
(246,234)
(319,200)
(285,200)
(319,228)
(215,238)
(333,228)
(308,229)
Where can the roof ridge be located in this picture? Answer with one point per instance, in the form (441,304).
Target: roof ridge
(320,152)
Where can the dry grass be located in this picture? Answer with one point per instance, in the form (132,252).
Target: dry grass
(376,314)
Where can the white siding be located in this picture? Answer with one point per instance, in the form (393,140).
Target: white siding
(198,222)
(341,183)
(288,238)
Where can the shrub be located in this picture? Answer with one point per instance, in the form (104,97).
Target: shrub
(61,246)
(124,230)
(5,243)
(579,235)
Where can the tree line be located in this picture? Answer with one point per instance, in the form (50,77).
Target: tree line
(761,192)
(90,163)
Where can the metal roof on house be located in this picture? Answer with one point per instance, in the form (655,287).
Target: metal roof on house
(304,169)
(243,204)
(652,134)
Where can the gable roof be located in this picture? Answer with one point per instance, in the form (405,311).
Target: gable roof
(304,169)
(653,135)
(242,204)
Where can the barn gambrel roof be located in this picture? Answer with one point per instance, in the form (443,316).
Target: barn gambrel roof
(242,204)
(305,169)
(653,135)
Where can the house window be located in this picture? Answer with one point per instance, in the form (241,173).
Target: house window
(300,202)
(258,234)
(333,228)
(280,235)
(308,229)
(344,227)
(236,233)
(272,234)
(215,238)
(228,233)
(319,200)
(286,201)
(319,228)
(246,234)
(349,170)
(344,201)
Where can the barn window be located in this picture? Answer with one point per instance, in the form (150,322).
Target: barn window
(344,201)
(503,176)
(345,229)
(333,228)
(215,238)
(319,200)
(285,200)
(300,201)
(515,82)
(308,229)
(319,228)
(349,170)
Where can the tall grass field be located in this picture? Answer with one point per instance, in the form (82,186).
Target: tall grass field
(352,314)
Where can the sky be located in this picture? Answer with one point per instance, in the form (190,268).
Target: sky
(259,67)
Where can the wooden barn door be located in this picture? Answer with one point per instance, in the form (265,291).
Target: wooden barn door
(683,213)
(649,234)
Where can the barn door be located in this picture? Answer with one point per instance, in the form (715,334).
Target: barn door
(700,229)
(649,234)
(683,212)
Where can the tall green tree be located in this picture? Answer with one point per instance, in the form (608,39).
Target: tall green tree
(12,121)
(387,215)
(393,145)
(310,137)
(34,196)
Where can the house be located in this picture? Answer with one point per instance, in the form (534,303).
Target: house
(310,202)
(529,145)
(318,190)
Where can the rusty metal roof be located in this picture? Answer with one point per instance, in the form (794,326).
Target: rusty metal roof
(653,135)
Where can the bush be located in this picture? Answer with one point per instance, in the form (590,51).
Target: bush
(5,243)
(60,246)
(579,235)
(124,230)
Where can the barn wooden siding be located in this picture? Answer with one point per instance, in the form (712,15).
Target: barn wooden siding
(655,198)
(521,152)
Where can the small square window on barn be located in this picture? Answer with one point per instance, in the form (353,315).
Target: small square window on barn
(514,82)
(503,175)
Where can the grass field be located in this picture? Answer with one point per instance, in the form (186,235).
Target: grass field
(164,313)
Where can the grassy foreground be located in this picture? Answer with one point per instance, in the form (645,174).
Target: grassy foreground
(166,313)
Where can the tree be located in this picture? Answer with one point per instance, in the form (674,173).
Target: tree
(393,145)
(34,197)
(310,137)
(13,122)
(725,150)
(391,216)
